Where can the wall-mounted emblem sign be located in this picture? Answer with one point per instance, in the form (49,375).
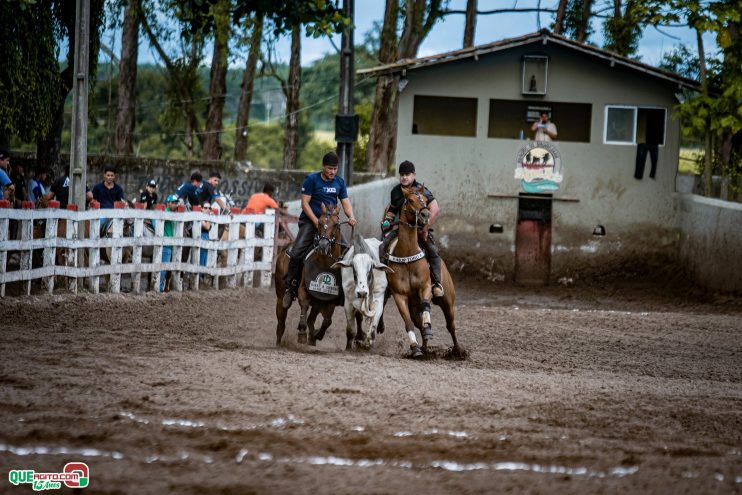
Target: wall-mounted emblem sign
(539,167)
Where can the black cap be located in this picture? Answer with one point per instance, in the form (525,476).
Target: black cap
(406,167)
(330,159)
(4,154)
(197,176)
(152,183)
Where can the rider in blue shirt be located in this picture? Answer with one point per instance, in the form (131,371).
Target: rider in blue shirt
(187,190)
(318,188)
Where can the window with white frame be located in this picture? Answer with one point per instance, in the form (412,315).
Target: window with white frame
(632,125)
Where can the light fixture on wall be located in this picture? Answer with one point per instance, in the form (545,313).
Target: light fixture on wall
(496,228)
(599,230)
(402,84)
(679,96)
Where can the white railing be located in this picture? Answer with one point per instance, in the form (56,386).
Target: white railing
(77,258)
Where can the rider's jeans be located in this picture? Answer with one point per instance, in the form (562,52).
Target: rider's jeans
(299,249)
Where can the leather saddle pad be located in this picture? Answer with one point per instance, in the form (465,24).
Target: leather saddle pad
(321,281)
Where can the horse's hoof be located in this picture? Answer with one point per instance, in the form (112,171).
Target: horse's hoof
(302,338)
(417,353)
(320,335)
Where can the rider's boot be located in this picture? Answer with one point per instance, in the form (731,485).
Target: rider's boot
(435,272)
(292,283)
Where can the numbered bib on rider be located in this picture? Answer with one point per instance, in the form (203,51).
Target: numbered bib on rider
(321,281)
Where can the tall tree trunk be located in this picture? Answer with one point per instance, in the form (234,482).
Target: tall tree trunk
(125,112)
(471,22)
(248,80)
(292,91)
(585,20)
(708,149)
(559,22)
(212,146)
(377,152)
(48,148)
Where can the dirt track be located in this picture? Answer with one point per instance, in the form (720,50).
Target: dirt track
(617,390)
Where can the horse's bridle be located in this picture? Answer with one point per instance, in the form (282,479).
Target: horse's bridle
(417,212)
(325,243)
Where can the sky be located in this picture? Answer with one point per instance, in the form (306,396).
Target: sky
(447,34)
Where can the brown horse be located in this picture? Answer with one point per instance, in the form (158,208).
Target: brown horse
(410,282)
(327,250)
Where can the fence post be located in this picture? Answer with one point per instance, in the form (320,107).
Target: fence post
(136,256)
(213,253)
(248,257)
(196,251)
(234,234)
(178,226)
(156,276)
(94,232)
(117,232)
(50,253)
(27,254)
(269,237)
(71,254)
(4,205)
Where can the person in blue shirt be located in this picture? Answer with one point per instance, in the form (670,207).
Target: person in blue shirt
(208,192)
(108,192)
(187,190)
(318,188)
(36,187)
(6,185)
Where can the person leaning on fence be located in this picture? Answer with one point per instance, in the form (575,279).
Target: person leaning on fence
(37,187)
(60,190)
(7,189)
(149,195)
(18,176)
(171,204)
(319,188)
(208,193)
(108,192)
(187,190)
(259,202)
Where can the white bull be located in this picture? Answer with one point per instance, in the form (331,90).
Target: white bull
(364,285)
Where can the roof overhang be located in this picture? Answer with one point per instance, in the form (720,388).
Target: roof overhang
(544,37)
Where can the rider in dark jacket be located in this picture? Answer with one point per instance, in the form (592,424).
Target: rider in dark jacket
(408,178)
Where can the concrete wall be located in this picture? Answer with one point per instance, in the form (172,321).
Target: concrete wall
(134,172)
(638,215)
(711,241)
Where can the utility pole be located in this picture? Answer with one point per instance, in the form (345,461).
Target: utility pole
(79,152)
(346,121)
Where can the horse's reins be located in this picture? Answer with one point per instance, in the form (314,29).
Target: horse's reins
(330,241)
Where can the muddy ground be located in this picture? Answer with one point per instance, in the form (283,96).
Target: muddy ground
(614,389)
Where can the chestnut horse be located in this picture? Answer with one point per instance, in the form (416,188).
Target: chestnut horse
(327,250)
(410,282)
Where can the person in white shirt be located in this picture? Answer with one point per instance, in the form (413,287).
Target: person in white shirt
(545,130)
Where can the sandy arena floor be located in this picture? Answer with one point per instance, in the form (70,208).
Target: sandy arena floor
(621,389)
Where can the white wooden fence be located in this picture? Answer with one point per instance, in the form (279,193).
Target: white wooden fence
(81,265)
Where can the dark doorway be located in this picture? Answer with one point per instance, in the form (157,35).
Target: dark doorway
(533,239)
